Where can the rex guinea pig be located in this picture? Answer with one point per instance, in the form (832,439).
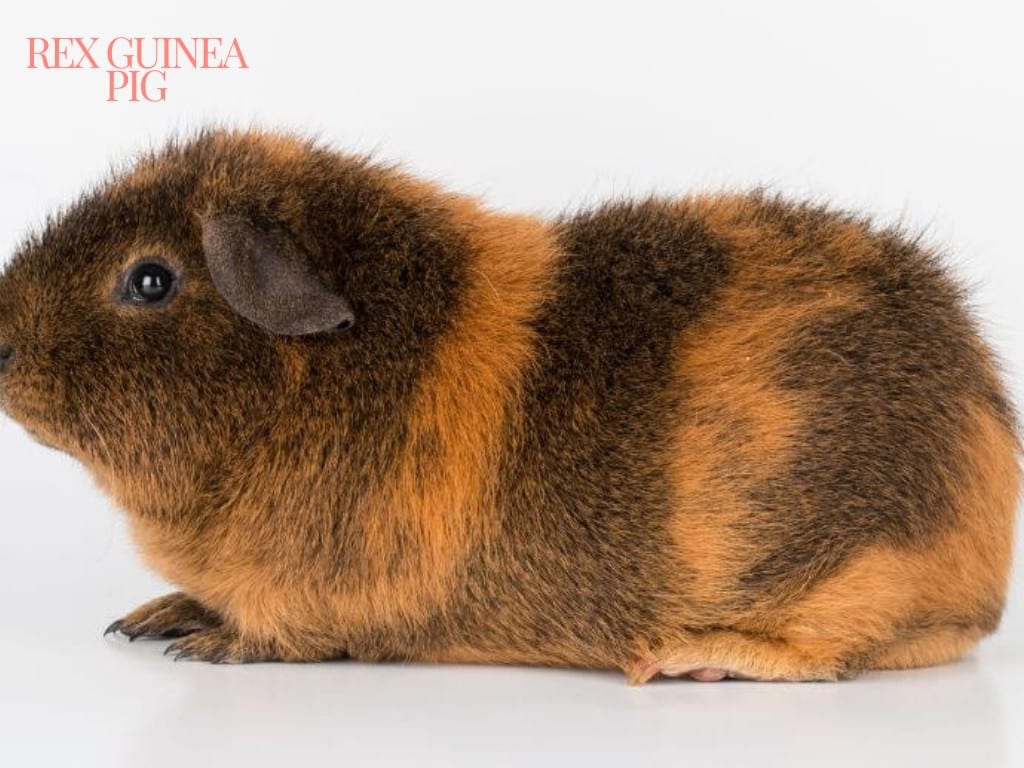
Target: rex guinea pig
(354,415)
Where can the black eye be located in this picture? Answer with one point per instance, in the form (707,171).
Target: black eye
(150,283)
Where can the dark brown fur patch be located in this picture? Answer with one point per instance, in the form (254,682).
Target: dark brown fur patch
(577,569)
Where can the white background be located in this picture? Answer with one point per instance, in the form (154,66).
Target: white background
(909,110)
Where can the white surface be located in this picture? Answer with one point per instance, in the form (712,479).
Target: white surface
(910,110)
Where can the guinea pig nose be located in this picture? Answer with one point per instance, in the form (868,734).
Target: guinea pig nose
(6,353)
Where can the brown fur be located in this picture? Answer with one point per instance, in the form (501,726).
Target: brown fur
(725,432)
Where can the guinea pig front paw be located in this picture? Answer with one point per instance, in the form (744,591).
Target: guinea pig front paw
(221,645)
(171,616)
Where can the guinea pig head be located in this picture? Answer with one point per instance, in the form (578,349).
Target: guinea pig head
(163,322)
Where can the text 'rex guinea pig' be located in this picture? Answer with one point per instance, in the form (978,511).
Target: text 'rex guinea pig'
(351,414)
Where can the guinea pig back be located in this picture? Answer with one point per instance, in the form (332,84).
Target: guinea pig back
(352,414)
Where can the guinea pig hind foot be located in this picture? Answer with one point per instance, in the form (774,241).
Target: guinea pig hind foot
(171,616)
(709,674)
(725,654)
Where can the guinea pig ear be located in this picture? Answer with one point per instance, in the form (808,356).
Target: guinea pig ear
(267,278)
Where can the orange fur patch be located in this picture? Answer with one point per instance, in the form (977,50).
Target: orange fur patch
(442,496)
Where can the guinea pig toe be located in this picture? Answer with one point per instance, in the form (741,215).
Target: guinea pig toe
(702,674)
(708,674)
(170,616)
(694,666)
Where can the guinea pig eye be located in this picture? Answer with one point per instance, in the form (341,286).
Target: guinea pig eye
(150,283)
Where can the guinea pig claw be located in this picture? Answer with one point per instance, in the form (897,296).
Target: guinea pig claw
(180,651)
(133,633)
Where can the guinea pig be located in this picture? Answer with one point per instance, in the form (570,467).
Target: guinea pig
(351,414)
